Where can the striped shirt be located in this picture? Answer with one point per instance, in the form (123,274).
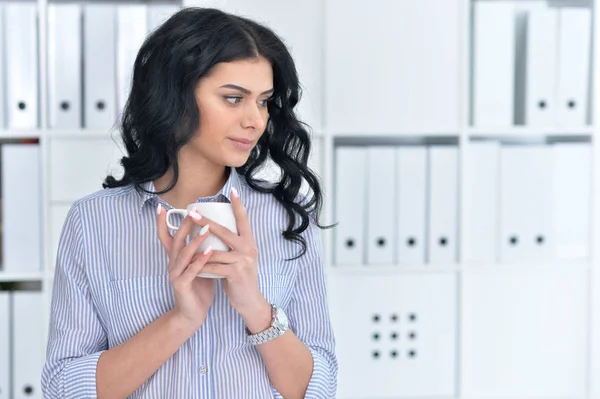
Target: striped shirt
(111,281)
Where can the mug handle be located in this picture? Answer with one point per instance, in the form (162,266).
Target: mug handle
(182,212)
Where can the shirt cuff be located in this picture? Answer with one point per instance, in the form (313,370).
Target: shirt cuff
(322,384)
(79,377)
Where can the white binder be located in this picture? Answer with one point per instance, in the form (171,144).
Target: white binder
(493,66)
(482,192)
(380,205)
(132,27)
(572,196)
(5,345)
(411,203)
(64,64)
(2,71)
(350,205)
(541,108)
(21,57)
(159,13)
(21,207)
(443,204)
(526,203)
(99,65)
(28,344)
(574,80)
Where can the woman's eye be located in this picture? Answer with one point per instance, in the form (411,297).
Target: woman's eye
(233,100)
(264,102)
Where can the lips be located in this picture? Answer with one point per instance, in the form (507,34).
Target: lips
(243,144)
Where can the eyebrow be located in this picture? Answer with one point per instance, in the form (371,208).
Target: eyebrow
(244,90)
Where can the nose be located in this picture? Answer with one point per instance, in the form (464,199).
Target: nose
(253,118)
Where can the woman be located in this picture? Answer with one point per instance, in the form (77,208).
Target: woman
(213,96)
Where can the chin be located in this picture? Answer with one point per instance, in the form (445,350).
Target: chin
(237,161)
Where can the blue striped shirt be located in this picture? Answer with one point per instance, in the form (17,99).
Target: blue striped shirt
(111,281)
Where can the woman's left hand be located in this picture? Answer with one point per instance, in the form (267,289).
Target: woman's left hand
(239,266)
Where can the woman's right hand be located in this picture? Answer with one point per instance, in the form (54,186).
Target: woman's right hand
(193,295)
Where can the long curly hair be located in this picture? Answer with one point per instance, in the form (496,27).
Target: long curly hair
(161,113)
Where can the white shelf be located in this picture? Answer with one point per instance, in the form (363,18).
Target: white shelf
(524,131)
(82,133)
(22,276)
(535,266)
(403,132)
(391,269)
(12,134)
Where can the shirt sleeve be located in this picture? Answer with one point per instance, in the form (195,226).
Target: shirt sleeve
(76,338)
(308,316)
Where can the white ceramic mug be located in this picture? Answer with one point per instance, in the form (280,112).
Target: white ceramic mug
(219,212)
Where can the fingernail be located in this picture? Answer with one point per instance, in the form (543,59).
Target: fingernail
(204,230)
(195,215)
(234,192)
(158,209)
(207,250)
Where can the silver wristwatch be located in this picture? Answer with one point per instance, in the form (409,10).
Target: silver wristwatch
(279,325)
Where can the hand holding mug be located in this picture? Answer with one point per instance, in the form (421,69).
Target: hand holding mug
(193,296)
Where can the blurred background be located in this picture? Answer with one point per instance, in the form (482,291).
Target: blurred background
(457,145)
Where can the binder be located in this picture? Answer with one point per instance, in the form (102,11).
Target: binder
(21,52)
(542,51)
(21,207)
(28,344)
(574,66)
(482,194)
(443,204)
(2,73)
(380,205)
(411,202)
(526,203)
(132,27)
(572,182)
(159,13)
(350,205)
(5,344)
(64,64)
(99,65)
(493,64)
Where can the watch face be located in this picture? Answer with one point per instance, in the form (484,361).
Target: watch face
(281,320)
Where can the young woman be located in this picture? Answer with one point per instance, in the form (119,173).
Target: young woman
(212,99)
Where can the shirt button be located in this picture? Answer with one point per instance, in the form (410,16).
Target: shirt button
(203,369)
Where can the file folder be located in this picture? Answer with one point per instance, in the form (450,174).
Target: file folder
(350,205)
(574,66)
(29,344)
(572,199)
(99,64)
(132,27)
(380,205)
(411,202)
(21,57)
(64,64)
(482,201)
(443,204)
(5,344)
(21,207)
(493,65)
(542,52)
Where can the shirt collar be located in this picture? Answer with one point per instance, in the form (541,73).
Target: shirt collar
(148,191)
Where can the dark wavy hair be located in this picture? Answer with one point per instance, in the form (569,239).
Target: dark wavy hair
(161,114)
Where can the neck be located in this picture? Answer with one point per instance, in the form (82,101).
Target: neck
(198,178)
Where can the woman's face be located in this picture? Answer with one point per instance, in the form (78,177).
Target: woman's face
(232,101)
